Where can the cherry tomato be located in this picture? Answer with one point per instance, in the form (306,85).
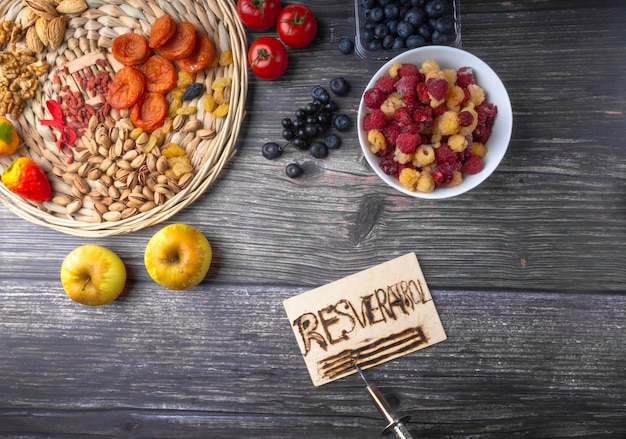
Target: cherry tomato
(258,14)
(296,26)
(267,57)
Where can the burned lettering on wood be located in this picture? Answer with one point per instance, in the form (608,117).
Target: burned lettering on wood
(375,315)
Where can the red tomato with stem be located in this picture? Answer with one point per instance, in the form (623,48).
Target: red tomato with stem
(258,14)
(267,57)
(296,26)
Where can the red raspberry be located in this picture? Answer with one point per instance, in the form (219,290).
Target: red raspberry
(391,132)
(373,98)
(406,84)
(424,117)
(403,116)
(422,93)
(374,120)
(439,110)
(486,114)
(444,154)
(465,77)
(437,88)
(412,128)
(465,118)
(408,70)
(442,175)
(407,143)
(389,166)
(473,165)
(482,133)
(386,84)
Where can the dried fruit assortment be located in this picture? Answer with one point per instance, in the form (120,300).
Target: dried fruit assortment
(428,125)
(123,119)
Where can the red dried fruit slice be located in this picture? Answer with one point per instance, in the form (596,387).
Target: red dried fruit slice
(201,56)
(126,88)
(161,31)
(130,49)
(160,74)
(150,112)
(182,43)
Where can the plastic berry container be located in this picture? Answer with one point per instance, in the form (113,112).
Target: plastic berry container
(386,28)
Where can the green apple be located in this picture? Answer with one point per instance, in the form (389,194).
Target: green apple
(178,257)
(93,275)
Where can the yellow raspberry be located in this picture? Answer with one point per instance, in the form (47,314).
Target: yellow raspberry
(409,179)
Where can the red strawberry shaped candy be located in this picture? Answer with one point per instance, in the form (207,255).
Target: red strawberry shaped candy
(24,177)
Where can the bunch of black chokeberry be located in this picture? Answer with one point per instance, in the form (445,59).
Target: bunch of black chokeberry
(309,129)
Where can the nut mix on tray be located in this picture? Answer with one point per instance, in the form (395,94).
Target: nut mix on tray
(121,112)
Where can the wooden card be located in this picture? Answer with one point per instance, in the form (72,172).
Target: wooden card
(371,317)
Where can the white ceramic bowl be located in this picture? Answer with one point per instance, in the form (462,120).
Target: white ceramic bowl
(487,79)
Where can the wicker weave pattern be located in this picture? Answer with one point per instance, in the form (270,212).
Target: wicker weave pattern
(99,25)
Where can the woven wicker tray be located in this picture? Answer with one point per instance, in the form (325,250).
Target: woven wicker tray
(94,29)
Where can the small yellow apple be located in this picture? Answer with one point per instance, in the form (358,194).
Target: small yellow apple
(93,275)
(178,257)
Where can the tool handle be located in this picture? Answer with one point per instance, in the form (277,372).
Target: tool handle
(400,431)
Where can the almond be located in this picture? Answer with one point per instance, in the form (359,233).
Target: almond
(33,41)
(56,32)
(71,6)
(41,27)
(42,8)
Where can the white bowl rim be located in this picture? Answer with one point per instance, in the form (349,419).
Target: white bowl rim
(486,77)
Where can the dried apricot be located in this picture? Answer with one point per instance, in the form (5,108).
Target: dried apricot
(162,30)
(130,49)
(160,74)
(126,88)
(201,56)
(182,42)
(150,112)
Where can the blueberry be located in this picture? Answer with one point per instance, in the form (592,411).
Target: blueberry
(375,45)
(374,15)
(368,4)
(332,141)
(384,3)
(392,25)
(330,107)
(342,122)
(441,38)
(405,29)
(318,150)
(415,16)
(398,44)
(293,170)
(381,31)
(392,11)
(415,41)
(388,42)
(435,8)
(425,31)
(317,91)
(444,24)
(345,46)
(339,86)
(271,150)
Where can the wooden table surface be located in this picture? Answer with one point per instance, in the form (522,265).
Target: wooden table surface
(527,270)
